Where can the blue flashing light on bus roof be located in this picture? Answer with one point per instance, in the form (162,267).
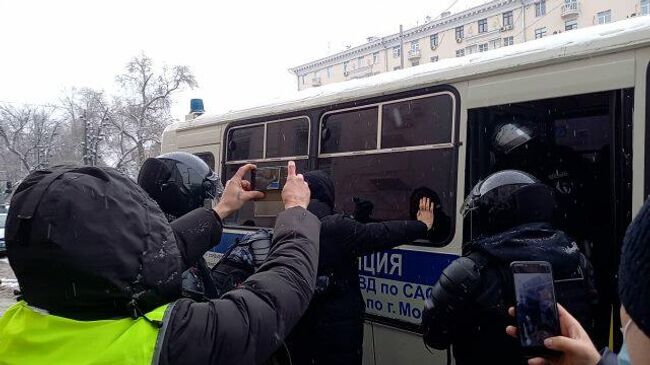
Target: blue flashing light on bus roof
(196,106)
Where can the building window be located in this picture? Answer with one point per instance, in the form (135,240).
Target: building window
(508,41)
(495,43)
(460,52)
(482,26)
(415,62)
(434,41)
(360,61)
(460,32)
(346,66)
(434,59)
(605,17)
(540,33)
(415,46)
(483,47)
(571,24)
(540,8)
(375,57)
(397,51)
(507,19)
(329,72)
(645,7)
(302,79)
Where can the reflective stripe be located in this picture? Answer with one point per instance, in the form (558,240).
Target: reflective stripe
(161,334)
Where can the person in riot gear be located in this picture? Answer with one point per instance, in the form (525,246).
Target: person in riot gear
(181,182)
(331,331)
(97,259)
(513,213)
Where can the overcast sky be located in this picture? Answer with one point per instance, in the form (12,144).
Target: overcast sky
(238,50)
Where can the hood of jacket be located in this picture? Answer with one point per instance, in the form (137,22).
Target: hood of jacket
(531,242)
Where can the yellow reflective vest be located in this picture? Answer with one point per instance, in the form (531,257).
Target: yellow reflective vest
(31,336)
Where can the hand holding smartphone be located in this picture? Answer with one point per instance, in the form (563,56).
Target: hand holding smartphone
(536,307)
(269,178)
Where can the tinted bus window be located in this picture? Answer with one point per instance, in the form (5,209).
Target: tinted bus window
(417,122)
(394,183)
(287,138)
(259,213)
(354,130)
(246,143)
(207,157)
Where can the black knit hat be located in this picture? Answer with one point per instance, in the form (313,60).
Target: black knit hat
(88,243)
(321,186)
(634,270)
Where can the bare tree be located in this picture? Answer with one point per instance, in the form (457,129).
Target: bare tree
(89,114)
(143,110)
(29,133)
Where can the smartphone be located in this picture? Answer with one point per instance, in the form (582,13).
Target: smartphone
(269,178)
(536,307)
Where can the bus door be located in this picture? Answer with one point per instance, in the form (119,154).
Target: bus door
(581,146)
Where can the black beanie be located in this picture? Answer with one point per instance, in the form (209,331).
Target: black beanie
(88,243)
(634,270)
(321,186)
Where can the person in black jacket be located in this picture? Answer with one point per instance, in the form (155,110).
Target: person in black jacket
(468,307)
(88,244)
(331,331)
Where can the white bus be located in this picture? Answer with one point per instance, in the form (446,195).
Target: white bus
(431,128)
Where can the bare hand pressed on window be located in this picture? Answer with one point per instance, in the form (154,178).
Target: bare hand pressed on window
(425,214)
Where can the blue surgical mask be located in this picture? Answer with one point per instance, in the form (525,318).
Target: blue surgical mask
(624,356)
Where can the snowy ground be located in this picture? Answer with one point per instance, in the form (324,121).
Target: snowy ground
(8,284)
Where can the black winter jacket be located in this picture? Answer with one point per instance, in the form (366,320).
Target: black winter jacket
(473,320)
(246,325)
(331,331)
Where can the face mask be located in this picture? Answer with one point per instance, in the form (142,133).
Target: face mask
(623,355)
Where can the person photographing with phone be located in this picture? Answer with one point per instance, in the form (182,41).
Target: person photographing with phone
(512,212)
(99,267)
(573,345)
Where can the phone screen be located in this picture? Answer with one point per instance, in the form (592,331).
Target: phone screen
(269,178)
(536,309)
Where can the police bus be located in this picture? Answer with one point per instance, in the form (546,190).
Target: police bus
(574,105)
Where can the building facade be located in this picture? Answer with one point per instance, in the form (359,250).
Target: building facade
(495,24)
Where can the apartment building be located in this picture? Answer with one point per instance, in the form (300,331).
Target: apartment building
(495,24)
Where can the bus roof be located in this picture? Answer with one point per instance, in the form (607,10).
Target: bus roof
(575,44)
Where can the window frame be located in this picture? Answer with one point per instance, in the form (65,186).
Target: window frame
(264,141)
(605,16)
(541,32)
(460,32)
(397,51)
(644,7)
(433,39)
(483,47)
(508,41)
(379,149)
(482,26)
(570,24)
(460,52)
(540,8)
(509,16)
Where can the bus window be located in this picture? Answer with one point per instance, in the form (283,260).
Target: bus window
(207,157)
(393,183)
(354,130)
(287,138)
(416,122)
(246,143)
(256,214)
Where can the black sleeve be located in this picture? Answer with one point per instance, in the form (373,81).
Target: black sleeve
(247,324)
(450,298)
(365,238)
(196,232)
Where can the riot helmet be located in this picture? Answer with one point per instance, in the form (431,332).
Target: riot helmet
(179,182)
(507,199)
(510,136)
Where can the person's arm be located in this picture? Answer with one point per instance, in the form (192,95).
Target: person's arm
(450,298)
(363,239)
(246,325)
(196,232)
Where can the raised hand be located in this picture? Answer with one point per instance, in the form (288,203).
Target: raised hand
(296,192)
